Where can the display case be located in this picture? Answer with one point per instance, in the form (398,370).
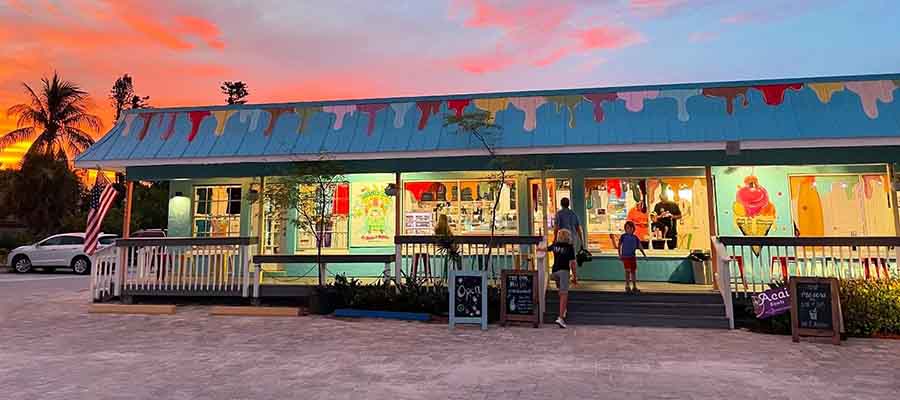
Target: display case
(468,205)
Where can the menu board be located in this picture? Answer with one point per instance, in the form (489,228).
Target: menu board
(815,308)
(419,223)
(519,289)
(468,298)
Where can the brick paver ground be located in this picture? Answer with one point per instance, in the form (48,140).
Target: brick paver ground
(50,348)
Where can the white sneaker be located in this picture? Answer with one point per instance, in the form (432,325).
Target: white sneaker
(562,323)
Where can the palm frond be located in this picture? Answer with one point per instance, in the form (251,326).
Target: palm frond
(73,136)
(16,136)
(84,120)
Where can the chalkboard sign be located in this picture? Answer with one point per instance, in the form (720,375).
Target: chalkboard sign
(815,308)
(519,289)
(468,298)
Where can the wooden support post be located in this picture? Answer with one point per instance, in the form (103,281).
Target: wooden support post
(398,229)
(713,226)
(892,196)
(261,219)
(544,196)
(126,219)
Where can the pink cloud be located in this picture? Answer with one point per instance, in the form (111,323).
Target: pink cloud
(607,37)
(535,33)
(205,30)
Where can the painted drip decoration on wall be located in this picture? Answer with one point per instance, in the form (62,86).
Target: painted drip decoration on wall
(264,119)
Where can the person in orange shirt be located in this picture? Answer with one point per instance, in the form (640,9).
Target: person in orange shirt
(638,216)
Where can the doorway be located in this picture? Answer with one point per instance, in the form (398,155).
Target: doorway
(556,188)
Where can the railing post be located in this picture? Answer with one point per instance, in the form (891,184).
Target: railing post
(119,275)
(245,271)
(256,278)
(398,262)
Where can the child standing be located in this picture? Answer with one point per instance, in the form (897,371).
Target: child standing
(628,245)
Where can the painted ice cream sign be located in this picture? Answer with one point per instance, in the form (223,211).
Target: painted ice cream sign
(754,214)
(772,302)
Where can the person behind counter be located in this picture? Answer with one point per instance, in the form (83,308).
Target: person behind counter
(443,226)
(665,217)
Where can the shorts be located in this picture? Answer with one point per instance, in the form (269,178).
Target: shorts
(561,278)
(629,263)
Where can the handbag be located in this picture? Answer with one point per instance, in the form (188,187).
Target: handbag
(583,256)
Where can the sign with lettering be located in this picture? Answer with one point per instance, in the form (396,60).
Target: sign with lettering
(519,291)
(468,298)
(772,302)
(815,308)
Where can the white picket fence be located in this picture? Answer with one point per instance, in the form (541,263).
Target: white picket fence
(174,266)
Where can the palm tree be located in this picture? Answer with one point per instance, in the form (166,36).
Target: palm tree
(54,120)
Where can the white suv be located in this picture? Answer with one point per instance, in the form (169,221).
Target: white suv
(65,250)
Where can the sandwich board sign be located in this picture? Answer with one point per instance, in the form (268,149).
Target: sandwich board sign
(519,297)
(816,308)
(468,298)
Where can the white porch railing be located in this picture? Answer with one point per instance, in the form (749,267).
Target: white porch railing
(103,277)
(757,261)
(175,266)
(428,256)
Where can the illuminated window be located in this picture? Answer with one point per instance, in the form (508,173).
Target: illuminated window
(336,222)
(468,205)
(611,202)
(217,211)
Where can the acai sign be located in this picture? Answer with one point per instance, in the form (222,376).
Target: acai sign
(772,302)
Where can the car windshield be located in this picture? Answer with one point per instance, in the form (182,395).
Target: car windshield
(107,239)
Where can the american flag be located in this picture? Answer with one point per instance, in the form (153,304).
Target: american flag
(102,196)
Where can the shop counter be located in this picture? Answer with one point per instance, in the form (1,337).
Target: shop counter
(674,268)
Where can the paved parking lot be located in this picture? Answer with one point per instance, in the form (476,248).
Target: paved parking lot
(52,349)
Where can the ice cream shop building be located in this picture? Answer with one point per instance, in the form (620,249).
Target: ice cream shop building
(797,175)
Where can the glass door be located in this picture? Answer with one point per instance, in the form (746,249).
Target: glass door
(556,190)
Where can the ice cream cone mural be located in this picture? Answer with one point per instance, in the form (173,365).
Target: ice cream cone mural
(754,214)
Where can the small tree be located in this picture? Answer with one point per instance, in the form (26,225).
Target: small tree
(236,92)
(480,126)
(309,190)
(122,96)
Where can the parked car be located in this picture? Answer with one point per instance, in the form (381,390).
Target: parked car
(150,233)
(65,250)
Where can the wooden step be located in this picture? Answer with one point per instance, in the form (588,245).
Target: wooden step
(641,320)
(255,311)
(618,307)
(144,309)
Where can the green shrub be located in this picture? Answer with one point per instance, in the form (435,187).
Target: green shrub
(412,295)
(871,308)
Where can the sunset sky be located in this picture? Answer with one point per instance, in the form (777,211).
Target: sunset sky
(178,52)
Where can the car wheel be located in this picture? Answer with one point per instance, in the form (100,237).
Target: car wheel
(81,265)
(22,264)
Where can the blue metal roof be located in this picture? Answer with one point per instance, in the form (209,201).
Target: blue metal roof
(851,107)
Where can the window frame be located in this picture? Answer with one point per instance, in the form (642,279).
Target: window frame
(209,204)
(456,218)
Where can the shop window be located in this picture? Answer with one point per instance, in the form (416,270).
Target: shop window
(467,204)
(217,211)
(273,221)
(841,205)
(611,202)
(335,225)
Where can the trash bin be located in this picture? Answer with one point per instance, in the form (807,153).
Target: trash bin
(703,274)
